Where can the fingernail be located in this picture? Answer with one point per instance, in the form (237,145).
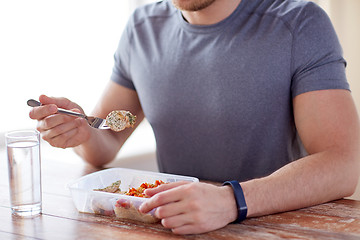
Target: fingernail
(141,208)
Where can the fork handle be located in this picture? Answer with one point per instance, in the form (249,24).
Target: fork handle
(34,103)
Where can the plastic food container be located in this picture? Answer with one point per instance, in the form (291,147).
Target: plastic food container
(113,204)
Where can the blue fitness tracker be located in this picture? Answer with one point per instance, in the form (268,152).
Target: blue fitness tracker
(240,200)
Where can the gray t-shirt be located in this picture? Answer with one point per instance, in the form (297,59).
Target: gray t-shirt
(219,97)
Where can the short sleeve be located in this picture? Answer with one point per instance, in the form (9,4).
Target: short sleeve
(121,69)
(317,61)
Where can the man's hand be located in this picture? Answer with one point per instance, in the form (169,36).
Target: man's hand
(191,208)
(58,129)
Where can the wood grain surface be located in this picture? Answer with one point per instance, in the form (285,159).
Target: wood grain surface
(60,220)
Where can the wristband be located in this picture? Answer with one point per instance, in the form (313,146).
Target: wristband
(239,198)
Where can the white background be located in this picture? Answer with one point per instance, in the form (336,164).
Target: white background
(59,48)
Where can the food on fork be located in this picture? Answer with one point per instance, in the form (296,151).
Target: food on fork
(118,120)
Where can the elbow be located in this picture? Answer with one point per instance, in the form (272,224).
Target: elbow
(351,177)
(352,185)
(96,162)
(93,159)
(349,190)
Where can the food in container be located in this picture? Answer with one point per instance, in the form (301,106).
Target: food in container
(123,208)
(117,182)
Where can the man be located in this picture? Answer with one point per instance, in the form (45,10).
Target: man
(251,90)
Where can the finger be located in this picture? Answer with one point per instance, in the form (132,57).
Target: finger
(161,198)
(175,221)
(50,122)
(70,136)
(53,121)
(57,125)
(62,140)
(184,224)
(171,209)
(61,102)
(76,110)
(163,187)
(83,133)
(38,113)
(57,119)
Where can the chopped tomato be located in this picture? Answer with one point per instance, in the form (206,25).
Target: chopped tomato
(139,192)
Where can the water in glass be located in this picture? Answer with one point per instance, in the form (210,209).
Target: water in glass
(24,177)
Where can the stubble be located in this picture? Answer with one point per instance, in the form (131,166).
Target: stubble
(192,5)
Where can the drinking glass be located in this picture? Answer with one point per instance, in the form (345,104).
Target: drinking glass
(23,152)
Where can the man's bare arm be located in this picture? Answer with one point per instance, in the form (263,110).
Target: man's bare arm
(328,125)
(103,145)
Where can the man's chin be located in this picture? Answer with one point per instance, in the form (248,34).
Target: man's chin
(192,5)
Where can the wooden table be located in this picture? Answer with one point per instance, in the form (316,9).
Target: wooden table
(60,220)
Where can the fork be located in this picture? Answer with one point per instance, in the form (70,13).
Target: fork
(94,122)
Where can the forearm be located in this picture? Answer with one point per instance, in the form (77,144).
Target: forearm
(103,145)
(308,181)
(100,149)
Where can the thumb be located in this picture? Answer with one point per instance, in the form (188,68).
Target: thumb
(60,102)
